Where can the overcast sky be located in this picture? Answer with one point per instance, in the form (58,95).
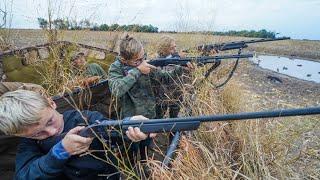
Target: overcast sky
(299,19)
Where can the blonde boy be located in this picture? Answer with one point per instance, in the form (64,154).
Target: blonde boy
(29,115)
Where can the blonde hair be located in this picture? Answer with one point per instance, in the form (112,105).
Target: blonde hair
(19,109)
(164,46)
(129,47)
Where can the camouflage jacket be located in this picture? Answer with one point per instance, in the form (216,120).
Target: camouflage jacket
(170,91)
(91,69)
(134,91)
(94,69)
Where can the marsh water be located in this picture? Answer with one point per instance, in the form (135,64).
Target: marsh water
(299,68)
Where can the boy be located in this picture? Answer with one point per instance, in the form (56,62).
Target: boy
(8,144)
(92,72)
(29,115)
(131,82)
(169,93)
(167,48)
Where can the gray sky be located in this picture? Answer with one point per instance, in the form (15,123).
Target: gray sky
(296,18)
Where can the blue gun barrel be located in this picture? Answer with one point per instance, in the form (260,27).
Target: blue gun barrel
(188,123)
(192,123)
(201,60)
(235,45)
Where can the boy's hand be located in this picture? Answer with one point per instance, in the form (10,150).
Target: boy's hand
(75,144)
(190,67)
(214,52)
(145,68)
(134,134)
(90,80)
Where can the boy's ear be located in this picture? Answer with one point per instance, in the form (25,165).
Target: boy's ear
(52,103)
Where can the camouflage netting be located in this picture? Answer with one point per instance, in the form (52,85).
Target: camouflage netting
(49,65)
(27,65)
(15,71)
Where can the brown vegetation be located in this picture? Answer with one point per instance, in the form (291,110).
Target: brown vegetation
(256,149)
(299,48)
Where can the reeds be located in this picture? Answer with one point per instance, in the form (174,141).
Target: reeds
(282,148)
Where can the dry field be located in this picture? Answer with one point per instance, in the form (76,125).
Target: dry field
(282,148)
(298,48)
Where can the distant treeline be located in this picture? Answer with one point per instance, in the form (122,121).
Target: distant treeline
(65,24)
(245,33)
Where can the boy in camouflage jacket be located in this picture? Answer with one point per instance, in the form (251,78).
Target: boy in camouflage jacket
(131,81)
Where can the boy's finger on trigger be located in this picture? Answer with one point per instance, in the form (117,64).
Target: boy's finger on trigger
(87,140)
(131,134)
(152,66)
(132,138)
(139,134)
(82,140)
(76,130)
(152,135)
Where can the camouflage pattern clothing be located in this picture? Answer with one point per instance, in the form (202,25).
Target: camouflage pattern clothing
(169,98)
(134,90)
(134,94)
(94,69)
(170,93)
(91,69)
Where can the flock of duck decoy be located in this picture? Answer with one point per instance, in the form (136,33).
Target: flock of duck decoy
(299,65)
(286,68)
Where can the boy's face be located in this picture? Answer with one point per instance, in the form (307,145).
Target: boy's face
(50,124)
(136,60)
(79,62)
(173,48)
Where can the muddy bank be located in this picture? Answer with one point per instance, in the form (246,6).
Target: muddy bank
(268,91)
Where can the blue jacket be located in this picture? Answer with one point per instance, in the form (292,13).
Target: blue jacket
(35,159)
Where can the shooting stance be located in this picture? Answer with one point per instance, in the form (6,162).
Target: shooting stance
(33,117)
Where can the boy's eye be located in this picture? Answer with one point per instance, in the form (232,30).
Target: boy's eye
(49,122)
(138,61)
(38,134)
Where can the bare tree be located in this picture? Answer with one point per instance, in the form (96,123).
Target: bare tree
(52,33)
(3,17)
(5,25)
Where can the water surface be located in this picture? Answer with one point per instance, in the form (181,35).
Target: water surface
(299,68)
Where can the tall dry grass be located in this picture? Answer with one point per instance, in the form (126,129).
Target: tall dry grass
(255,149)
(277,148)
(286,148)
(5,43)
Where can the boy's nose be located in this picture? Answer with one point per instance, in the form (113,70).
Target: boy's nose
(51,131)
